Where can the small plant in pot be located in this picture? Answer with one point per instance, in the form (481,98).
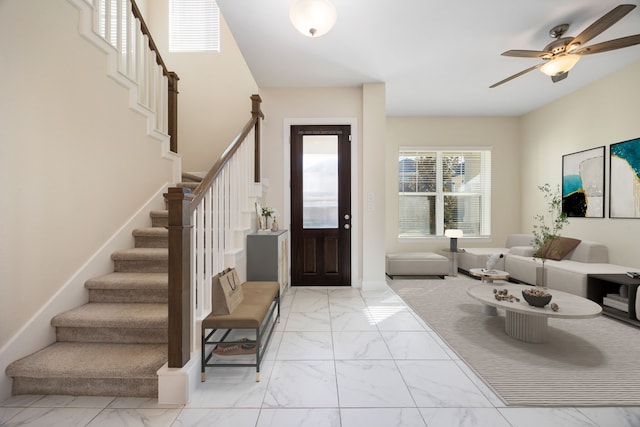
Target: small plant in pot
(546,230)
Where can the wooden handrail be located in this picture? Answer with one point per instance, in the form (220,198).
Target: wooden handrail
(181,204)
(171,76)
(213,173)
(146,32)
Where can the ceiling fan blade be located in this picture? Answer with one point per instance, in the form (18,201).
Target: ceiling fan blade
(516,75)
(559,76)
(610,18)
(610,45)
(526,53)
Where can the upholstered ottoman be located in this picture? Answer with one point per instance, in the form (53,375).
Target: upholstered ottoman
(416,264)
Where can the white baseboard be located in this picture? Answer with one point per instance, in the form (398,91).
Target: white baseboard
(38,333)
(177,385)
(373,285)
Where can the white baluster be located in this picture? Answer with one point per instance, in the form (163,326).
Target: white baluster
(134,35)
(199,255)
(205,303)
(192,285)
(120,37)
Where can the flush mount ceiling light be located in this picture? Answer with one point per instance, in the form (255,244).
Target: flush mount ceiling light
(560,64)
(313,18)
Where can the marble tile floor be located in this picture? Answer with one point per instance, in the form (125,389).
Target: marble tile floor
(339,358)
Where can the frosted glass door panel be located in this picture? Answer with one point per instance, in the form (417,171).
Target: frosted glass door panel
(320,181)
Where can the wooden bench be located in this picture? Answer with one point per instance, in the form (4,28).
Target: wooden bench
(255,313)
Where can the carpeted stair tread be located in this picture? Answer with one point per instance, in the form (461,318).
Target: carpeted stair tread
(140,254)
(98,315)
(151,231)
(159,218)
(152,237)
(189,185)
(128,281)
(141,260)
(92,360)
(193,176)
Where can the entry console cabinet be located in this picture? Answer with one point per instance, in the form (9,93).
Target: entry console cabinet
(267,257)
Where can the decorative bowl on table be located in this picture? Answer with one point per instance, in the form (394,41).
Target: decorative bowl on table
(536,297)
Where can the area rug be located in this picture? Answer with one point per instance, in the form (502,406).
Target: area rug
(586,362)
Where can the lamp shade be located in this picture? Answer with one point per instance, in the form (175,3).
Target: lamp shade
(453,232)
(313,18)
(560,64)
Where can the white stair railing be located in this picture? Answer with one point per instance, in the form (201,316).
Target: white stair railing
(117,27)
(202,233)
(215,220)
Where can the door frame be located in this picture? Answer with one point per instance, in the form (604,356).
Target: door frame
(355,174)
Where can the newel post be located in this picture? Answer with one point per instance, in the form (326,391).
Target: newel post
(257,115)
(178,201)
(173,111)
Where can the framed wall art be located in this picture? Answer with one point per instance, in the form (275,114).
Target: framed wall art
(624,181)
(583,183)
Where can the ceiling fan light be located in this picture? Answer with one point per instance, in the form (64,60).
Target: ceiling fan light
(313,18)
(560,64)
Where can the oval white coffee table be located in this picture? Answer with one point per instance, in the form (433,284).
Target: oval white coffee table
(528,323)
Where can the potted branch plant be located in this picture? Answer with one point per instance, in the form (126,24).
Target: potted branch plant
(546,230)
(267,212)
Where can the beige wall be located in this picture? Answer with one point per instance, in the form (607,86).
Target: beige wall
(500,134)
(215,89)
(373,199)
(603,113)
(75,161)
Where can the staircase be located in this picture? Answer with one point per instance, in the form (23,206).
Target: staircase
(114,344)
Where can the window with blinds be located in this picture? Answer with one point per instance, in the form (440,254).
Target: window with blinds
(194,26)
(443,189)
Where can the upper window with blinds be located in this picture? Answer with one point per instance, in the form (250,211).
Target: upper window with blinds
(194,26)
(443,189)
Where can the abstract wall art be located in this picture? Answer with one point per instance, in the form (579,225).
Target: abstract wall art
(583,183)
(624,181)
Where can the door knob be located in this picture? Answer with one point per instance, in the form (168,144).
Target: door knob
(347,226)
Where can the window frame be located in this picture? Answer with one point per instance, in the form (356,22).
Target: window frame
(194,26)
(485,155)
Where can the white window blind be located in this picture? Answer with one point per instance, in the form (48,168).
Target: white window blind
(443,189)
(194,26)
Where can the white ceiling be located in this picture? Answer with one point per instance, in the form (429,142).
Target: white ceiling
(436,57)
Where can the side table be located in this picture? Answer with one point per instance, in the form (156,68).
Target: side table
(454,259)
(489,276)
(599,285)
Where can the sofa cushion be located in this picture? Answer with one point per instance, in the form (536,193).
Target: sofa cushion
(557,248)
(590,252)
(519,240)
(522,250)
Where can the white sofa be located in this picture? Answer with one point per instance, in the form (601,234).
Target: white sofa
(568,275)
(477,257)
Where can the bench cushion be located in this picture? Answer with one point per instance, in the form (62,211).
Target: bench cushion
(251,312)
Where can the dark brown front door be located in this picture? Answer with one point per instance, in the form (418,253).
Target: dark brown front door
(321,205)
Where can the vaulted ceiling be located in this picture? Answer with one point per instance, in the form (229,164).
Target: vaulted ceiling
(436,57)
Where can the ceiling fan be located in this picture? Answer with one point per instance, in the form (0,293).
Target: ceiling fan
(563,53)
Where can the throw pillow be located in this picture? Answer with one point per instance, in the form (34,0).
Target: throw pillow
(557,248)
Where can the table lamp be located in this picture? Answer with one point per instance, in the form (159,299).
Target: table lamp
(453,234)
